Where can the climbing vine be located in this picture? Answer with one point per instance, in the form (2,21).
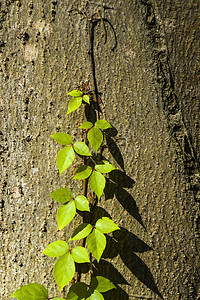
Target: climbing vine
(92,171)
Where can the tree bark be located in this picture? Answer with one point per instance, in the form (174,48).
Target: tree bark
(147,78)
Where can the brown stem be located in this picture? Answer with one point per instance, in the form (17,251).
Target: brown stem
(95,96)
(92,68)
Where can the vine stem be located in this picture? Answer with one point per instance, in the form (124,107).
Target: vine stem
(90,52)
(95,96)
(92,66)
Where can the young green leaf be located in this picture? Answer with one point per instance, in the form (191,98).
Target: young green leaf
(58,298)
(77,291)
(104,167)
(80,255)
(81,232)
(106,225)
(82,203)
(74,104)
(101,284)
(62,195)
(82,149)
(86,98)
(64,270)
(56,249)
(75,93)
(86,125)
(96,295)
(65,158)
(62,138)
(31,291)
(96,243)
(102,124)
(95,138)
(65,214)
(83,172)
(97,183)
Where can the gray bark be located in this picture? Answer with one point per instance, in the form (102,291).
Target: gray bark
(147,73)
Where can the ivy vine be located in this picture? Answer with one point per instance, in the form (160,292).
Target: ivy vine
(92,172)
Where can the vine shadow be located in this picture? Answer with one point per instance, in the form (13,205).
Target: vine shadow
(123,242)
(113,148)
(126,244)
(125,199)
(107,270)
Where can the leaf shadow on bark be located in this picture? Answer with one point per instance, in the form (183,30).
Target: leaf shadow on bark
(106,269)
(126,244)
(113,148)
(115,186)
(118,180)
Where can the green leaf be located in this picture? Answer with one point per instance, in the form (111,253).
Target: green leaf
(62,195)
(97,183)
(96,296)
(80,255)
(86,98)
(64,270)
(62,138)
(104,167)
(82,203)
(65,158)
(101,284)
(106,225)
(83,172)
(65,214)
(86,125)
(95,138)
(82,149)
(81,232)
(74,104)
(96,243)
(31,291)
(102,124)
(56,249)
(75,93)
(58,298)
(77,291)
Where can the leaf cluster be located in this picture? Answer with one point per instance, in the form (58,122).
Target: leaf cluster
(67,211)
(64,267)
(96,180)
(93,171)
(76,101)
(96,240)
(78,291)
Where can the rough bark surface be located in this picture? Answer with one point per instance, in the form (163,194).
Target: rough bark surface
(147,73)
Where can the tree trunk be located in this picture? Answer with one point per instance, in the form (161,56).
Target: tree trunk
(147,78)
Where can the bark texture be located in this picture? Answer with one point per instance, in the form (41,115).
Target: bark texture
(147,74)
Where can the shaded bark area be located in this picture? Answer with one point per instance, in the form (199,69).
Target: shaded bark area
(147,78)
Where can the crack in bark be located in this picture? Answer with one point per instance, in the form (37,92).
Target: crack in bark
(171,108)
